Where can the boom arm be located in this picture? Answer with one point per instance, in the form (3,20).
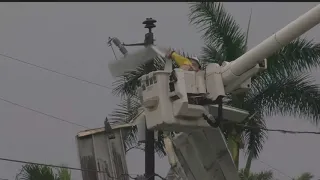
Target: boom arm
(272,44)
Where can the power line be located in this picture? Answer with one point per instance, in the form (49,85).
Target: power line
(65,167)
(252,127)
(280,171)
(50,70)
(266,129)
(39,112)
(275,169)
(244,126)
(57,72)
(280,130)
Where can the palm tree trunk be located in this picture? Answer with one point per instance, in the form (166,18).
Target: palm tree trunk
(235,139)
(234,147)
(248,165)
(236,155)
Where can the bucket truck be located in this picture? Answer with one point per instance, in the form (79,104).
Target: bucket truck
(166,97)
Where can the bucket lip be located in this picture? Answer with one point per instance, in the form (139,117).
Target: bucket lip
(161,71)
(155,72)
(102,129)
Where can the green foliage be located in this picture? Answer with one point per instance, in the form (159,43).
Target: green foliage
(304,176)
(284,88)
(299,56)
(263,175)
(268,175)
(295,95)
(219,29)
(123,114)
(63,174)
(39,172)
(35,172)
(126,85)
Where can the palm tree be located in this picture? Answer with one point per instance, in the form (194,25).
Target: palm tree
(285,88)
(304,176)
(268,175)
(39,172)
(63,174)
(263,175)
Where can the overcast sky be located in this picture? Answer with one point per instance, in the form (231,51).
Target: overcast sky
(70,38)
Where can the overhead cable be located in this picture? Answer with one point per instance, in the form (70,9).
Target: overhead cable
(54,71)
(39,112)
(64,167)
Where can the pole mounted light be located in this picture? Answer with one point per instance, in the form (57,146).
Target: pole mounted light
(148,40)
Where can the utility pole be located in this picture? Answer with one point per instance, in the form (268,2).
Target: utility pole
(149,136)
(149,144)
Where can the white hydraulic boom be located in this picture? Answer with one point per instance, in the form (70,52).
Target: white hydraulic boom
(190,102)
(247,61)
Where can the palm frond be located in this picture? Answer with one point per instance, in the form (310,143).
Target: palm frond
(254,138)
(305,176)
(130,138)
(211,55)
(127,83)
(296,95)
(159,145)
(219,28)
(36,172)
(63,173)
(123,114)
(263,175)
(298,56)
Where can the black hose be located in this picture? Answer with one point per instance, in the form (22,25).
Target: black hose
(216,123)
(220,110)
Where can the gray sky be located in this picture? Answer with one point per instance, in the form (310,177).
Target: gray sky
(70,38)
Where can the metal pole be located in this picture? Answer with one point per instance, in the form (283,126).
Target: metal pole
(149,155)
(149,146)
